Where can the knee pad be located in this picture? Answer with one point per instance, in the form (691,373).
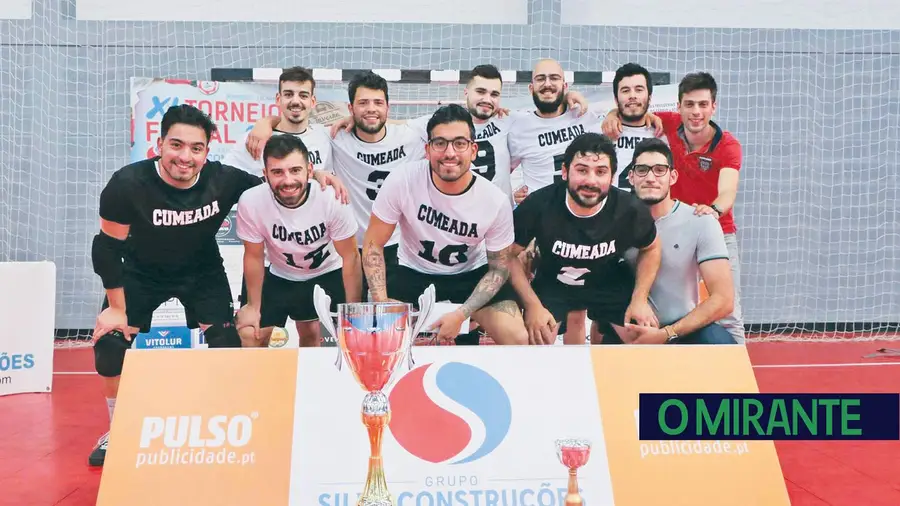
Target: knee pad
(109,354)
(222,335)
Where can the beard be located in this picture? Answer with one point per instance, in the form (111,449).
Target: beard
(369,129)
(290,201)
(445,175)
(476,113)
(547,107)
(583,202)
(633,118)
(651,199)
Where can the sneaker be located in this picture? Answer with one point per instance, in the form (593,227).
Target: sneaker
(98,455)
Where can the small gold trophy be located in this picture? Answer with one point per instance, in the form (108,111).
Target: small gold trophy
(373,338)
(573,453)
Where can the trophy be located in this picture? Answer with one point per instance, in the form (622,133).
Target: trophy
(373,337)
(573,453)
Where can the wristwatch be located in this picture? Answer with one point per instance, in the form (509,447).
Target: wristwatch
(670,333)
(717,210)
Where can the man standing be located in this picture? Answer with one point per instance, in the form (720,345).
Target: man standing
(296,99)
(708,160)
(693,250)
(308,236)
(456,234)
(539,138)
(581,227)
(632,90)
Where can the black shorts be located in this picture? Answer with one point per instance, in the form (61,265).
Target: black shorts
(604,311)
(406,285)
(206,298)
(283,298)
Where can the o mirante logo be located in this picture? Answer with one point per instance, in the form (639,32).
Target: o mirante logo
(769,416)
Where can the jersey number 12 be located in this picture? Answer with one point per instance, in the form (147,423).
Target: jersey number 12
(317,257)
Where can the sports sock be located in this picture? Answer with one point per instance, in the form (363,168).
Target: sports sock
(111,405)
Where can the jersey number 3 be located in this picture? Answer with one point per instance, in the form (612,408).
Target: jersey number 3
(452,254)
(317,257)
(485,164)
(377,177)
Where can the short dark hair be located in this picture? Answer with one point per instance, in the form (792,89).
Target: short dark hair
(280,146)
(451,113)
(594,143)
(185,114)
(369,80)
(628,70)
(697,81)
(297,75)
(652,145)
(486,71)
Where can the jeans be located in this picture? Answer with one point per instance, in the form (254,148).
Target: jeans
(734,323)
(710,334)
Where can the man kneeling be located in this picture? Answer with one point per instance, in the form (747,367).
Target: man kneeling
(456,230)
(310,239)
(693,249)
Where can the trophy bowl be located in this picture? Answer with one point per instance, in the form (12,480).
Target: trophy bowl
(573,453)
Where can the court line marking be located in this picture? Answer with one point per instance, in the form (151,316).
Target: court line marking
(802,366)
(761,366)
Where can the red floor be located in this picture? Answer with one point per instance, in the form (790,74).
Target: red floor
(45,439)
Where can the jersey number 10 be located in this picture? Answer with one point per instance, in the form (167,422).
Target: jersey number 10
(450,255)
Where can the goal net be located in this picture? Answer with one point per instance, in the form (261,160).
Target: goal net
(815,111)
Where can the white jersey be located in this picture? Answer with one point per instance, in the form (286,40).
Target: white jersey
(315,137)
(300,241)
(492,161)
(539,144)
(625,144)
(363,166)
(444,234)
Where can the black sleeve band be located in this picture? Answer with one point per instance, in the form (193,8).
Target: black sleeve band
(106,255)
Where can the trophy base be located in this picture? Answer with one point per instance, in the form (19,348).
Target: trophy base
(574,500)
(375,502)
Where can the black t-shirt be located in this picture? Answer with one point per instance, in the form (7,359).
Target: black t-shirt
(581,258)
(173,231)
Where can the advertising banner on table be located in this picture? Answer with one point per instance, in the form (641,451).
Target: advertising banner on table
(469,425)
(234,107)
(27,317)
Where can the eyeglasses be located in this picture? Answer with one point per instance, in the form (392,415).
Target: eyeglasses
(459,143)
(658,170)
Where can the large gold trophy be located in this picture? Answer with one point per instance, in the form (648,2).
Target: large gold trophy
(373,337)
(574,454)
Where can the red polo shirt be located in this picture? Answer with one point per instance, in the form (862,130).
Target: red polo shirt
(698,171)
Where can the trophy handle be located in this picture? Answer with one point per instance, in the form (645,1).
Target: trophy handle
(322,304)
(426,305)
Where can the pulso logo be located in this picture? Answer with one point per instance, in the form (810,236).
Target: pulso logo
(432,413)
(193,440)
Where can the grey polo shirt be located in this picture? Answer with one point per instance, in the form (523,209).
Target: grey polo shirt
(687,241)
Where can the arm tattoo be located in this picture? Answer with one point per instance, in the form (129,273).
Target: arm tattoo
(373,265)
(491,282)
